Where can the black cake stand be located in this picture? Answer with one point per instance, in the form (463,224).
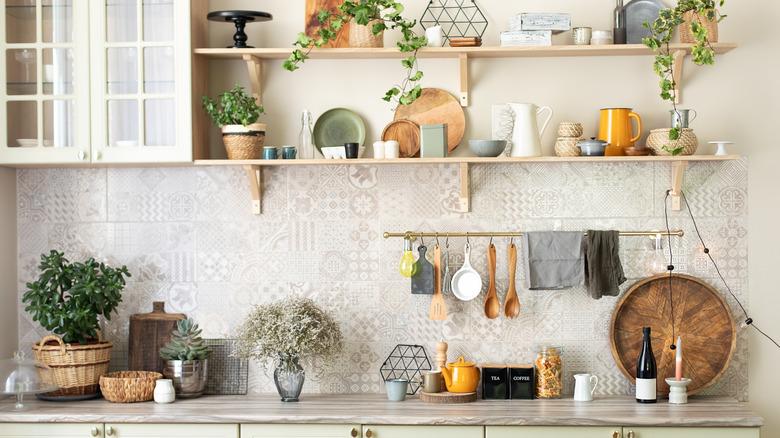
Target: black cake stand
(240,19)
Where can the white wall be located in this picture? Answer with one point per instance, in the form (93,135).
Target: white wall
(737,100)
(8,307)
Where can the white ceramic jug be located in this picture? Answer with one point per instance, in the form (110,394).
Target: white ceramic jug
(526,136)
(584,386)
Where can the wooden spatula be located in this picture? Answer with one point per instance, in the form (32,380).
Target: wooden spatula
(438,306)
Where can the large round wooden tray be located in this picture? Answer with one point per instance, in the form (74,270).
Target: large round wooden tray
(702,318)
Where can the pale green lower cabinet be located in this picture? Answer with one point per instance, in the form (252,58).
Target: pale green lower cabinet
(84,430)
(299,431)
(50,430)
(690,432)
(370,431)
(552,432)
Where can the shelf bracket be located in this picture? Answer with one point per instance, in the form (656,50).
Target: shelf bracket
(464,196)
(678,175)
(255,175)
(463,59)
(255,67)
(679,60)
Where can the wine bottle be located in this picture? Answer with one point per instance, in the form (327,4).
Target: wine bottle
(646,372)
(619,24)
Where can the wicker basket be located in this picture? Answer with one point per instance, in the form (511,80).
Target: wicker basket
(686,33)
(244,142)
(570,130)
(76,369)
(567,147)
(659,138)
(129,386)
(363,36)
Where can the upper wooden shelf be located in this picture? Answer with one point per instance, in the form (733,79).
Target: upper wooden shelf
(455,52)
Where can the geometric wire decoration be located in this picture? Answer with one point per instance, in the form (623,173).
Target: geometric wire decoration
(406,362)
(457,18)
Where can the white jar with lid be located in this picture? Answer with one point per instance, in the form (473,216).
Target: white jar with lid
(164,392)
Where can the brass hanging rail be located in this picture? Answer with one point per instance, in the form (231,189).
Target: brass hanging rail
(414,234)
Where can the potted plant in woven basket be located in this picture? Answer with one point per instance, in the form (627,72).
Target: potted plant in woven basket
(68,299)
(236,113)
(186,359)
(284,333)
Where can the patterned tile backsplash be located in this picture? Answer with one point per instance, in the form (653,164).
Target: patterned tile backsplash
(190,239)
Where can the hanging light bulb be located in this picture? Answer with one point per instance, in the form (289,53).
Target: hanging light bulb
(658,263)
(407,266)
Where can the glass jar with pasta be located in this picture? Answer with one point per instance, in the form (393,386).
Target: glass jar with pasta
(549,369)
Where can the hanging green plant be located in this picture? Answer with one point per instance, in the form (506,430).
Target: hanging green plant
(381,15)
(702,52)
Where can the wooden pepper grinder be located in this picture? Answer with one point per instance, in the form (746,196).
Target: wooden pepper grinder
(441,359)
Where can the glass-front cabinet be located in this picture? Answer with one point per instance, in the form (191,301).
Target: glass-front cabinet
(95,81)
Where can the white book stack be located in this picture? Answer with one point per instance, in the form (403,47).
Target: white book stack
(534,29)
(526,38)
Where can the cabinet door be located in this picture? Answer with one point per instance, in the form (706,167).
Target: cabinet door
(299,431)
(51,430)
(141,91)
(552,432)
(44,90)
(423,431)
(171,430)
(691,432)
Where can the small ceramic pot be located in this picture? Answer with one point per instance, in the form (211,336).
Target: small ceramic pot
(396,389)
(164,392)
(379,150)
(392,148)
(602,38)
(592,147)
(289,152)
(270,153)
(582,35)
(432,382)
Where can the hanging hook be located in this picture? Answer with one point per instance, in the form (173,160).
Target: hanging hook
(468,242)
(491,240)
(422,241)
(447,241)
(511,240)
(437,239)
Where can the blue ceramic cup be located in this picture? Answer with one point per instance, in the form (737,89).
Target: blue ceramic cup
(396,389)
(270,153)
(289,152)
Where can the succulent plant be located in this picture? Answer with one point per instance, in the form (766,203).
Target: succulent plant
(186,343)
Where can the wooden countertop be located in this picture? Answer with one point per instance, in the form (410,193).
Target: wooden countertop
(375,409)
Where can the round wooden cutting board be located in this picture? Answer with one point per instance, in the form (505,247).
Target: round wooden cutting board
(407,134)
(702,318)
(435,106)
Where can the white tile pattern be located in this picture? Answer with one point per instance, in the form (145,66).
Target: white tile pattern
(189,238)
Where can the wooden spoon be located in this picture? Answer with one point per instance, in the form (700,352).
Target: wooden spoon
(438,311)
(492,305)
(512,304)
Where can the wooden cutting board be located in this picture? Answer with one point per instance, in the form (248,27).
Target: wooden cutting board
(436,106)
(313,7)
(407,134)
(444,398)
(702,318)
(148,333)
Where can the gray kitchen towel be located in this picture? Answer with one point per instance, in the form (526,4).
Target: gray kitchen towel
(553,259)
(604,271)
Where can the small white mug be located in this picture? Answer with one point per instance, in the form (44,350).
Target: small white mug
(435,36)
(391,149)
(379,150)
(584,387)
(164,391)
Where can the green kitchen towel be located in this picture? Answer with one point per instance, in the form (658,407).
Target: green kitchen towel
(603,270)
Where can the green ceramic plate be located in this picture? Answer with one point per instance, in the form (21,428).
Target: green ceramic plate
(338,126)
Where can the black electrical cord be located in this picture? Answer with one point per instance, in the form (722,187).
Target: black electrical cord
(670,267)
(748,320)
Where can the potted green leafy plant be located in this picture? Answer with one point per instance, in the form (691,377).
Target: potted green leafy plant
(186,359)
(379,15)
(284,333)
(697,21)
(236,113)
(68,299)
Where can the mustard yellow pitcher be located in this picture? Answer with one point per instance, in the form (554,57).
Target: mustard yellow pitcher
(615,128)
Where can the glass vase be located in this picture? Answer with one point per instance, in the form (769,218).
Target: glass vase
(289,377)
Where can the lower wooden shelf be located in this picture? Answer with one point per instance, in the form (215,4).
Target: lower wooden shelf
(254,169)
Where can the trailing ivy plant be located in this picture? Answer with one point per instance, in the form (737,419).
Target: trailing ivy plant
(68,298)
(234,107)
(363,12)
(662,30)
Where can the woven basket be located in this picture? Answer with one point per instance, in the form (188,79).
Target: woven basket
(686,34)
(567,147)
(660,137)
(244,142)
(129,386)
(570,130)
(363,36)
(76,369)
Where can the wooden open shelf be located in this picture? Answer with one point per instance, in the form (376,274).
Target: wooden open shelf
(254,169)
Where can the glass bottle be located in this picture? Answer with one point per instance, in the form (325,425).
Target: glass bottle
(305,138)
(619,24)
(658,261)
(549,369)
(646,371)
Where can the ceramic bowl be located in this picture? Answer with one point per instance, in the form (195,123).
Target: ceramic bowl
(487,148)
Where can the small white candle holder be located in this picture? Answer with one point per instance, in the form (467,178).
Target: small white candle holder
(721,147)
(678,390)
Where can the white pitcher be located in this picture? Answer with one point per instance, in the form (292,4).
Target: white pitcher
(526,136)
(584,386)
